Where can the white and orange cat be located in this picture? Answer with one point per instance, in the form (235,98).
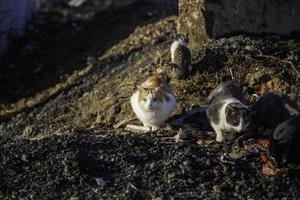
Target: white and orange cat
(153,102)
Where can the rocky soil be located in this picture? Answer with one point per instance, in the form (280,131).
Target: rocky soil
(65,147)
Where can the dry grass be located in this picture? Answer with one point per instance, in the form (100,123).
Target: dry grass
(116,90)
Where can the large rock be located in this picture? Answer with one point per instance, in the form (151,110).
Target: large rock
(204,19)
(191,21)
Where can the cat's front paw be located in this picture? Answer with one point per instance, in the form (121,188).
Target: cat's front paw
(154,128)
(151,128)
(219,137)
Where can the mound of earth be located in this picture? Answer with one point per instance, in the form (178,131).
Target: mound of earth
(65,147)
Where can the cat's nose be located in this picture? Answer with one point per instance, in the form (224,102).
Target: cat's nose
(150,107)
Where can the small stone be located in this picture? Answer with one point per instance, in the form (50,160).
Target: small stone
(24,158)
(190,181)
(27,131)
(113,110)
(91,60)
(171,175)
(74,198)
(186,163)
(100,181)
(208,162)
(152,165)
(156,198)
(181,135)
(249,48)
(216,188)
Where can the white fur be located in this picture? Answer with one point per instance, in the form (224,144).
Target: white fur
(291,109)
(154,117)
(223,125)
(175,45)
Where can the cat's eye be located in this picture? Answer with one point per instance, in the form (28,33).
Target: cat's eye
(144,99)
(154,99)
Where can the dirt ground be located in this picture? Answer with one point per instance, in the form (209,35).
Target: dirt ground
(58,139)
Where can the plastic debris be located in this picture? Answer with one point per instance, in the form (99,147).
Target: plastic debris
(269,168)
(180,136)
(100,181)
(237,157)
(76,3)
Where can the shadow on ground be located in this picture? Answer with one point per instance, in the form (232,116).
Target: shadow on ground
(59,40)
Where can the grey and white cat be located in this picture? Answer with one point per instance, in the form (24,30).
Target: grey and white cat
(181,58)
(227,112)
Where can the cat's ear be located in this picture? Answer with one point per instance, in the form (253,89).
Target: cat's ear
(234,108)
(186,37)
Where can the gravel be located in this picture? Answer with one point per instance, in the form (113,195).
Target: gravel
(132,167)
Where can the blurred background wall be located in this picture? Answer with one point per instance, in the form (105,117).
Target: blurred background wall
(13,16)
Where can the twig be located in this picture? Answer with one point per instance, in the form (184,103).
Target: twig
(250,58)
(187,195)
(231,74)
(134,187)
(157,52)
(123,122)
(284,61)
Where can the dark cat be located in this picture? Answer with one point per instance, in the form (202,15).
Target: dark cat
(285,142)
(227,111)
(272,109)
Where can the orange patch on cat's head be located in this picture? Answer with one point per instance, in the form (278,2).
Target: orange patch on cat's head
(156,92)
(152,82)
(153,85)
(157,86)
